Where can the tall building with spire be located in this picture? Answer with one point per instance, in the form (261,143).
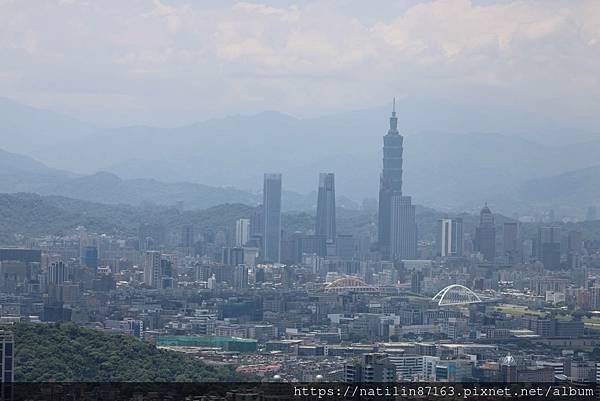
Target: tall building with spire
(397,237)
(325,224)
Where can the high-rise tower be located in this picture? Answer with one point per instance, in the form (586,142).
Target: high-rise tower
(390,187)
(325,224)
(450,237)
(272,218)
(485,235)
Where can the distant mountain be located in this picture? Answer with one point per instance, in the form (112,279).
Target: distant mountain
(32,214)
(446,170)
(451,172)
(453,160)
(24,174)
(577,188)
(108,188)
(31,130)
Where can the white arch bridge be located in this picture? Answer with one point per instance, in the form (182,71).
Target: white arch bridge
(456,294)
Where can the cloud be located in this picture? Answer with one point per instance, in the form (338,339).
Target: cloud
(199,59)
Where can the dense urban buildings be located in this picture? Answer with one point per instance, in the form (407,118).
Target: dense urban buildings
(330,294)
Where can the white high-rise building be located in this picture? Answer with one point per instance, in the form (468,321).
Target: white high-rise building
(450,237)
(242,232)
(57,273)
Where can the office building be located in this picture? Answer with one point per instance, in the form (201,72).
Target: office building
(90,257)
(57,273)
(403,234)
(510,241)
(271,247)
(166,274)
(548,246)
(485,235)
(450,238)
(325,224)
(21,254)
(7,347)
(242,232)
(372,368)
(232,256)
(187,239)
(152,269)
(240,277)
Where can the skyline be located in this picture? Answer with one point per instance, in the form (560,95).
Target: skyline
(311,193)
(350,196)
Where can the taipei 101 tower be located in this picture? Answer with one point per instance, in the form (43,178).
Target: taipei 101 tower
(397,228)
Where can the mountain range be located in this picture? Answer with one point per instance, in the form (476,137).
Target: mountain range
(202,163)
(19,173)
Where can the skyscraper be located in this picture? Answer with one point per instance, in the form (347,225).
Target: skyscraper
(57,273)
(548,246)
(166,274)
(7,346)
(152,269)
(485,235)
(272,218)
(390,182)
(242,232)
(450,237)
(240,277)
(511,245)
(187,238)
(90,257)
(397,236)
(325,224)
(403,235)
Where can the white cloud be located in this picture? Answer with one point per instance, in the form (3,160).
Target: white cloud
(308,58)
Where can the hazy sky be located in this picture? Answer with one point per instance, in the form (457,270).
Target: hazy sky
(173,62)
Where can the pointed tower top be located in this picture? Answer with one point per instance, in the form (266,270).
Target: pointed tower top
(393,119)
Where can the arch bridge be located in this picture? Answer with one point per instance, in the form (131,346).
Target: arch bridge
(352,284)
(456,294)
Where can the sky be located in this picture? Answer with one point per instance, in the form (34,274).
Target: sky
(169,63)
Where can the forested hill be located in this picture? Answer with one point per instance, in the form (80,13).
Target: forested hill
(65,352)
(32,214)
(35,215)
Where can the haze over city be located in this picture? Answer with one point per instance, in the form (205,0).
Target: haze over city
(336,191)
(177,83)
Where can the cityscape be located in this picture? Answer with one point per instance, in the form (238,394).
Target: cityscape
(126,274)
(499,303)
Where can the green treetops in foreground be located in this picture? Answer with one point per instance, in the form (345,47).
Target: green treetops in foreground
(69,353)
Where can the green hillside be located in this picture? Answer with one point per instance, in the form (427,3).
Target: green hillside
(67,352)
